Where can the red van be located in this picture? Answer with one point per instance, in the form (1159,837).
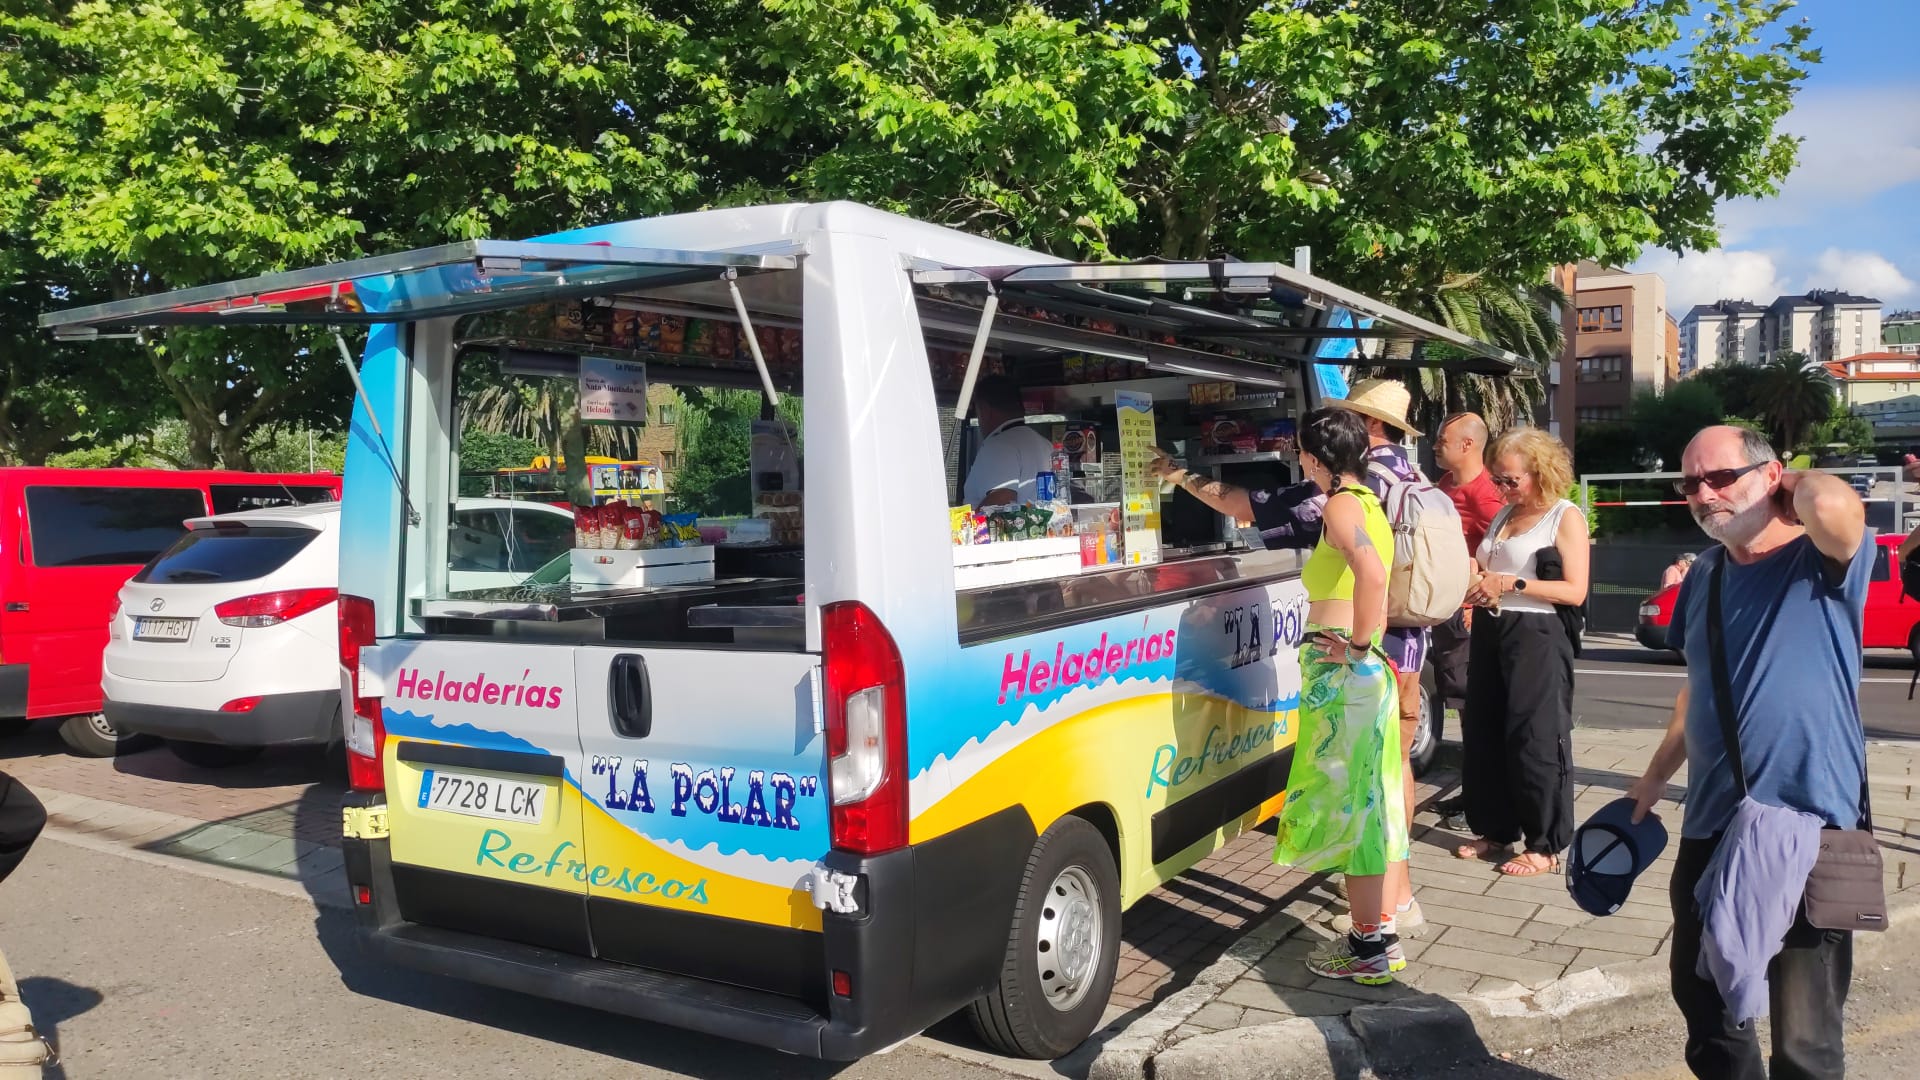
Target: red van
(1892,617)
(69,538)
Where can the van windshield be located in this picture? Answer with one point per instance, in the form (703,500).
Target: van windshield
(580,475)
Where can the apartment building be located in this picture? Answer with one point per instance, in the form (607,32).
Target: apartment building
(1822,325)
(1882,388)
(1622,341)
(1900,333)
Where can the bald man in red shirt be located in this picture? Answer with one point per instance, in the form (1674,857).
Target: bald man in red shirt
(1460,447)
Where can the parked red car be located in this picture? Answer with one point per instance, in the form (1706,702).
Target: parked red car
(1892,620)
(69,539)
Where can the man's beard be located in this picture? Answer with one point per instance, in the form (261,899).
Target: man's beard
(1738,527)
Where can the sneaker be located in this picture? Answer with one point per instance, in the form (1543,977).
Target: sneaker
(1347,957)
(1454,807)
(1410,919)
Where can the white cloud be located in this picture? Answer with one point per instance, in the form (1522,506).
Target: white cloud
(1702,277)
(1857,142)
(1868,273)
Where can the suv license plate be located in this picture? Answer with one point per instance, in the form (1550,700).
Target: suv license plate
(145,629)
(482,796)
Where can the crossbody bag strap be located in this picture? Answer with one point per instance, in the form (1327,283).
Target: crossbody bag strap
(1722,684)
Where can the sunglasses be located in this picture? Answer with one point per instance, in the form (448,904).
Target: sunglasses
(1500,481)
(1718,479)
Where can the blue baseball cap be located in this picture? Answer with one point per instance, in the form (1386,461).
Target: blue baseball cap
(1608,853)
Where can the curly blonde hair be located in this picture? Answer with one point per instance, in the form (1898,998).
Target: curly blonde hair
(1546,459)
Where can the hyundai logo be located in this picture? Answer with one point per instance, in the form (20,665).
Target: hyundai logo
(157,604)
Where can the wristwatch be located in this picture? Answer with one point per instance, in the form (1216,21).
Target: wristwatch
(1519,584)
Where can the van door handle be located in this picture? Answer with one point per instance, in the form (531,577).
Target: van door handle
(16,605)
(630,696)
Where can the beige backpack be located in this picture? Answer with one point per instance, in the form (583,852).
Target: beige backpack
(24,1052)
(1431,567)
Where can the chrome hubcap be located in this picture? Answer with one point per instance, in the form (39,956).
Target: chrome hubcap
(1069,938)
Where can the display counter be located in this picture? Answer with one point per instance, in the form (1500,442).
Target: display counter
(1002,611)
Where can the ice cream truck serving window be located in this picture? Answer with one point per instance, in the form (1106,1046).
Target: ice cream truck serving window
(886,699)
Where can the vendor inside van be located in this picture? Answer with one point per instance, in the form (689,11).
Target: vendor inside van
(1012,455)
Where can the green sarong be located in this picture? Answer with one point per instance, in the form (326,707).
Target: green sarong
(1346,792)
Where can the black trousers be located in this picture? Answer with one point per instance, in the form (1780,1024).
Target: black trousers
(21,818)
(1517,731)
(1448,655)
(1807,987)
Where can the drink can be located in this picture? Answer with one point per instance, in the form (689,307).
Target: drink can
(1044,487)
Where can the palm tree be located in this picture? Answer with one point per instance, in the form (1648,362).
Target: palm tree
(1522,319)
(1793,394)
(547,411)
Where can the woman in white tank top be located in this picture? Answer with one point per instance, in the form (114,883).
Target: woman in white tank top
(1517,727)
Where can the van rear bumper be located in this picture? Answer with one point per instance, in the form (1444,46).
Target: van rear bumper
(930,937)
(305,718)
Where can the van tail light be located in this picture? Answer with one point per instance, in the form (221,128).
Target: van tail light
(272,608)
(866,715)
(366,736)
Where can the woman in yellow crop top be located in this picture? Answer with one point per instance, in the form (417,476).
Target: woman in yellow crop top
(1346,804)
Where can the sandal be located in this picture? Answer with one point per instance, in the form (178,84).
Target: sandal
(1484,850)
(1529,864)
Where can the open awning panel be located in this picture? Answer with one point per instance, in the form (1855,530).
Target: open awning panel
(451,279)
(1255,310)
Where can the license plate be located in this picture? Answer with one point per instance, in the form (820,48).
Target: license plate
(1649,611)
(482,796)
(145,629)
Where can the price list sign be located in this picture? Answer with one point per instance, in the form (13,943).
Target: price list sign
(1140,493)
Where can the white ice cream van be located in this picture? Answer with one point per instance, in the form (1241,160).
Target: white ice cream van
(816,756)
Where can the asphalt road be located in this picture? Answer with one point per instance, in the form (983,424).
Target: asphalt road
(1883,1038)
(142,969)
(1618,684)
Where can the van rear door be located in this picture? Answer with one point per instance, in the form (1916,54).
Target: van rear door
(483,773)
(706,807)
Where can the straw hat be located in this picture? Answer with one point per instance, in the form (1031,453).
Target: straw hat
(1386,400)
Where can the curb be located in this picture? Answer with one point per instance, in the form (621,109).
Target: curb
(1396,1035)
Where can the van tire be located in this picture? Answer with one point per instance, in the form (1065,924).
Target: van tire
(212,755)
(1427,737)
(1072,862)
(90,735)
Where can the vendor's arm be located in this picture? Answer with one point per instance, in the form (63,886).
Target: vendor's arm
(999,497)
(1835,518)
(1218,494)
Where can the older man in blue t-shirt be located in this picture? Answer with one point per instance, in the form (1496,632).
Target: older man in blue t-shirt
(1797,560)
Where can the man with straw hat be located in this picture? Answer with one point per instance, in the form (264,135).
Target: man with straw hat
(1290,518)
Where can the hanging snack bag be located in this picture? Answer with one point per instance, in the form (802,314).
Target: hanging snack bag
(586,527)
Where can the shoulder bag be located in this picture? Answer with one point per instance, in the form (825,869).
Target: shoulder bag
(1846,890)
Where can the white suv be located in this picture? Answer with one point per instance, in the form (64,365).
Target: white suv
(227,641)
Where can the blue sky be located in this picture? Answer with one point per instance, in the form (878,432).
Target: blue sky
(1849,215)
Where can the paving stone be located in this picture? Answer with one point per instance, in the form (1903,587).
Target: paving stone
(1287,1001)
(1563,916)
(1460,883)
(1492,905)
(1439,915)
(1522,947)
(1434,979)
(1217,1017)
(1256,1017)
(1529,972)
(1596,958)
(1612,939)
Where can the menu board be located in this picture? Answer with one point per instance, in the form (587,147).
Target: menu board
(1140,492)
(613,390)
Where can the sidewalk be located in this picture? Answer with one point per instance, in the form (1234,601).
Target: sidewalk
(1501,964)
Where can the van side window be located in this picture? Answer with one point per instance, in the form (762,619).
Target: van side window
(95,526)
(227,498)
(1882,563)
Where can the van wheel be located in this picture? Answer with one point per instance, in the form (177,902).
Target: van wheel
(212,755)
(1061,950)
(90,735)
(1426,739)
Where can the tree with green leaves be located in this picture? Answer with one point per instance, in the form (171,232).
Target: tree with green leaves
(1664,421)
